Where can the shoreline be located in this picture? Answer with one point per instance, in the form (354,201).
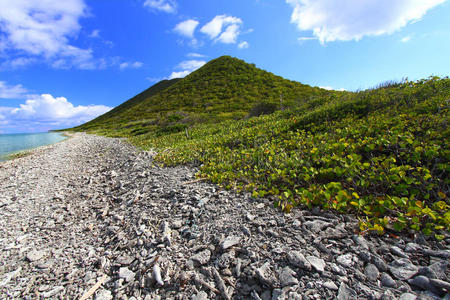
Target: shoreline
(93,209)
(26,152)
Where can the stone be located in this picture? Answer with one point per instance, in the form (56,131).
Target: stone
(126,274)
(200,296)
(403,269)
(441,284)
(379,263)
(202,257)
(407,296)
(440,269)
(297,259)
(229,241)
(346,293)
(371,272)
(287,277)
(35,255)
(398,252)
(316,226)
(53,292)
(345,260)
(361,241)
(387,281)
(330,285)
(421,282)
(317,263)
(103,295)
(412,247)
(225,260)
(266,275)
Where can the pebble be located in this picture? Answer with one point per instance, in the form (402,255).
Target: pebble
(297,259)
(387,281)
(126,274)
(317,263)
(287,277)
(35,255)
(403,269)
(371,272)
(229,242)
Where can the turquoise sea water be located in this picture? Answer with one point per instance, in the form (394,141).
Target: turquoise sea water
(11,143)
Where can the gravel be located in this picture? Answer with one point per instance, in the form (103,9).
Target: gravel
(90,208)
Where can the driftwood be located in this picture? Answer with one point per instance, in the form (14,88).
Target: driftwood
(94,288)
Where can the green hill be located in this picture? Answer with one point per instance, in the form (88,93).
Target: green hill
(381,154)
(225,88)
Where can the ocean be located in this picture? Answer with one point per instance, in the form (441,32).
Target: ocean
(11,143)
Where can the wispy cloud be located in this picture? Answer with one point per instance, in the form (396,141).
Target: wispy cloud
(195,55)
(405,39)
(186,67)
(347,20)
(12,91)
(130,65)
(168,6)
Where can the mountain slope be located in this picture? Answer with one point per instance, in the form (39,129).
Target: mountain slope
(225,88)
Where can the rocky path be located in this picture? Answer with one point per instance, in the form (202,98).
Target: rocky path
(93,209)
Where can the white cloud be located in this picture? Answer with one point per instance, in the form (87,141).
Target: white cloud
(48,109)
(346,20)
(187,67)
(243,45)
(215,29)
(168,6)
(186,28)
(11,91)
(43,29)
(405,39)
(131,65)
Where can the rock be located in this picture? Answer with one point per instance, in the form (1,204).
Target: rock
(200,296)
(103,295)
(229,241)
(297,259)
(387,281)
(361,241)
(345,260)
(346,293)
(317,263)
(407,296)
(441,284)
(403,269)
(330,285)
(287,277)
(421,282)
(225,260)
(397,251)
(53,292)
(440,269)
(266,275)
(202,257)
(126,274)
(316,226)
(379,263)
(35,255)
(412,247)
(371,272)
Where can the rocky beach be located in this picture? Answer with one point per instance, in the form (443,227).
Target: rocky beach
(95,217)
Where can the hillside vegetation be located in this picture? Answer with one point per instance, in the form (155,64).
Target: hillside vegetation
(381,154)
(225,88)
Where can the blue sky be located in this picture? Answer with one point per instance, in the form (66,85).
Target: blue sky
(63,63)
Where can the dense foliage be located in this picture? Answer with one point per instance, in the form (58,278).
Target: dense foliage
(381,154)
